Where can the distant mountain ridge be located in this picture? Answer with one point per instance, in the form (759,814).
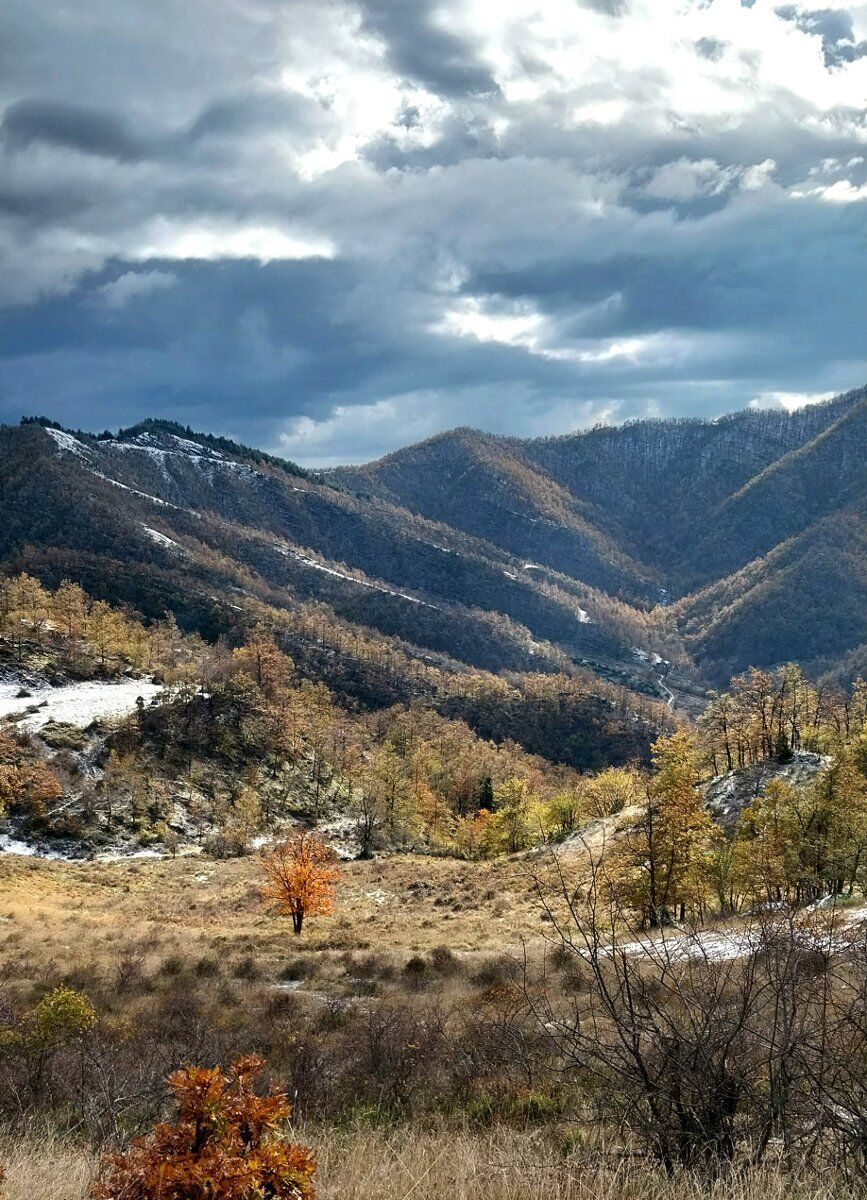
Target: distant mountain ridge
(685,505)
(704,546)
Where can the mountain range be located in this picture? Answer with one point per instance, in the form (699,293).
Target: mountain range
(659,556)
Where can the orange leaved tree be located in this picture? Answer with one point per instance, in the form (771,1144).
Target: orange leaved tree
(223,1145)
(299,877)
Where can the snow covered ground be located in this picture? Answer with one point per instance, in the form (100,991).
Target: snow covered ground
(13,845)
(713,946)
(74,703)
(160,539)
(722,945)
(727,794)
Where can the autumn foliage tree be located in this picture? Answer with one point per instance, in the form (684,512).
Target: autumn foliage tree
(659,867)
(24,783)
(299,877)
(224,1144)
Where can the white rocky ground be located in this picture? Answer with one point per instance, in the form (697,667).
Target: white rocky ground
(73,703)
(727,794)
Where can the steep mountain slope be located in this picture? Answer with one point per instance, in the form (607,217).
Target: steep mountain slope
(636,494)
(805,601)
(489,487)
(655,485)
(709,545)
(824,475)
(754,519)
(164,502)
(166,521)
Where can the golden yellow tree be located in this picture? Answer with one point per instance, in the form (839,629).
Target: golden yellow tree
(300,877)
(659,867)
(612,790)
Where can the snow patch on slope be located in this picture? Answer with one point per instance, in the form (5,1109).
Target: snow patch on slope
(161,540)
(75,703)
(725,795)
(725,945)
(14,845)
(377,587)
(67,443)
(135,491)
(147,443)
(656,660)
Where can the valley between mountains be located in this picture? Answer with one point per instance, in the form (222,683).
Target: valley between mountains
(547,709)
(575,596)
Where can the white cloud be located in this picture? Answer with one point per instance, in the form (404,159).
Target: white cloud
(133,285)
(843,192)
(211,241)
(684,180)
(516,324)
(519,324)
(357,433)
(790,401)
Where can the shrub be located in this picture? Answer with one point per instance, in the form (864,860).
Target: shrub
(444,961)
(171,966)
(247,968)
(61,736)
(415,972)
(207,966)
(223,1145)
(63,1014)
(494,972)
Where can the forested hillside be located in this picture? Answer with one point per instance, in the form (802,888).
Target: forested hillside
(661,556)
(753,523)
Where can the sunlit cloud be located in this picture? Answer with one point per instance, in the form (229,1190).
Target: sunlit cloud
(209,243)
(790,401)
(517,324)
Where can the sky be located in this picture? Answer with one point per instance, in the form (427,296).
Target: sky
(334,228)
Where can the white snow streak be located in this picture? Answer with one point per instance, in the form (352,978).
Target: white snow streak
(377,587)
(65,441)
(75,703)
(161,540)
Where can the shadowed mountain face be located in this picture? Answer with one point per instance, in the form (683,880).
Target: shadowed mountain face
(709,545)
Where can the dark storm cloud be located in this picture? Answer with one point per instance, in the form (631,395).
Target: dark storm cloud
(238,115)
(68,125)
(93,132)
(424,51)
(331,227)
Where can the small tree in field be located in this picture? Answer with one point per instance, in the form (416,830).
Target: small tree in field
(299,877)
(223,1145)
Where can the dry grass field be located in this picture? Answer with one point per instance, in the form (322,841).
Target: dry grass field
(74,914)
(142,935)
(78,923)
(400,1163)
(78,915)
